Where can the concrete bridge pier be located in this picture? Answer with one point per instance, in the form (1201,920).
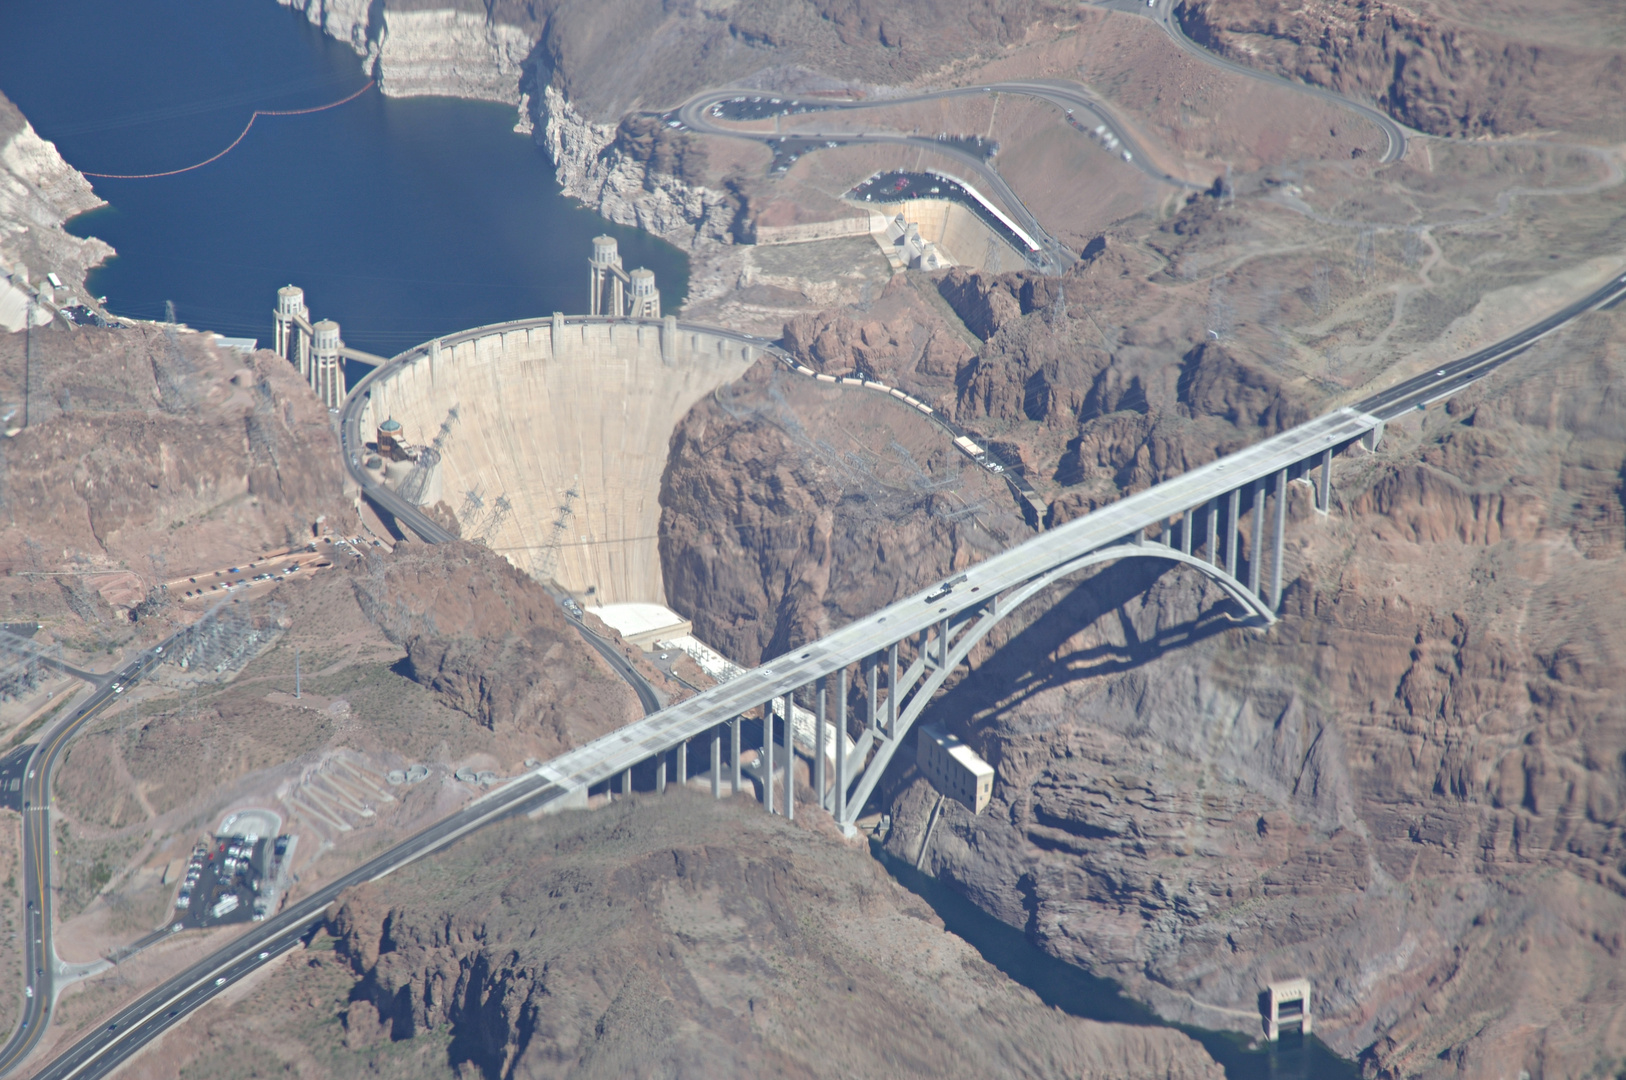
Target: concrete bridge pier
(819,742)
(790,759)
(717,763)
(734,753)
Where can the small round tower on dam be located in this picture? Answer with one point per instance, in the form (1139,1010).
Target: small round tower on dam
(547,438)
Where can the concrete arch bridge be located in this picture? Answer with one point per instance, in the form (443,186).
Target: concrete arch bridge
(1226,520)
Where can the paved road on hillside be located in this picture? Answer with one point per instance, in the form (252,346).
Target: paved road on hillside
(39,953)
(101,1051)
(138,1023)
(1053,255)
(1163,15)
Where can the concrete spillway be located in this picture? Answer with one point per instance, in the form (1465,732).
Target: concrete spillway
(550,406)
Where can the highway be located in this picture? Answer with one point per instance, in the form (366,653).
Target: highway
(1042,557)
(104,1049)
(1432,386)
(39,954)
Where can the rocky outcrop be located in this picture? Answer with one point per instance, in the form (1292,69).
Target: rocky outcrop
(451,54)
(1409,790)
(346,20)
(1426,65)
(149,450)
(492,644)
(604,169)
(663,937)
(575,69)
(38,192)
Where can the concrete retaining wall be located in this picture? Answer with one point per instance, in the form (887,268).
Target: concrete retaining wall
(959,232)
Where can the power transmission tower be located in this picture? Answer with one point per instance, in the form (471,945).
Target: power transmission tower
(494,523)
(417,481)
(470,513)
(550,554)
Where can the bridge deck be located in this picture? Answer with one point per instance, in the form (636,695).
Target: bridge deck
(607,756)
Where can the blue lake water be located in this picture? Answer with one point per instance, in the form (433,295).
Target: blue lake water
(401,219)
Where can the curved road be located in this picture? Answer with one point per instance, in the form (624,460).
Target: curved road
(1053,255)
(1163,15)
(39,953)
(138,1023)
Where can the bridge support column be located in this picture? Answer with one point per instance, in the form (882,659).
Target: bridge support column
(1323,495)
(873,686)
(1185,533)
(892,689)
(683,763)
(1233,512)
(1213,532)
(734,752)
(716,763)
(1280,531)
(626,782)
(1371,439)
(838,804)
(790,761)
(1256,522)
(818,742)
(766,764)
(660,772)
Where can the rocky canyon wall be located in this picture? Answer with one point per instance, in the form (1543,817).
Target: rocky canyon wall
(38,192)
(1488,68)
(154,454)
(575,69)
(1409,790)
(656,940)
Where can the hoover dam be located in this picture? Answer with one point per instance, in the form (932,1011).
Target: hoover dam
(547,438)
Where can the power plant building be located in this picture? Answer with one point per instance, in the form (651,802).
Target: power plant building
(954,769)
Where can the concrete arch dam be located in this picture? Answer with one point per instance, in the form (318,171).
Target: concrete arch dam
(550,438)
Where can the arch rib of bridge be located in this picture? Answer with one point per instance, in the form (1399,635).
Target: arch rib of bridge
(979,622)
(1143,524)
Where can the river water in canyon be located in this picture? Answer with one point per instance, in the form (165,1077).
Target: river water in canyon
(1075,991)
(401,219)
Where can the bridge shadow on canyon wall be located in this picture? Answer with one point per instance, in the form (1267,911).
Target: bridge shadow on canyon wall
(1037,658)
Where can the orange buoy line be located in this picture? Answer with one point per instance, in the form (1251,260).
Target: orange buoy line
(257,114)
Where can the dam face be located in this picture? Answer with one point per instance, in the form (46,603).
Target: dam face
(549,407)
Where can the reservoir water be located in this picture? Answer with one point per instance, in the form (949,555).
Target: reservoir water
(401,219)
